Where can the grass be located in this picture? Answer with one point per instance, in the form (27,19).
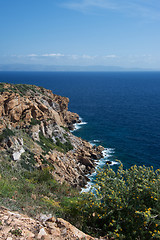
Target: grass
(33,192)
(47,144)
(21,89)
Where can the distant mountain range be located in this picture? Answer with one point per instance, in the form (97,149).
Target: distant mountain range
(38,67)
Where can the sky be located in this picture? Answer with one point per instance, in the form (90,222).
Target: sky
(124,33)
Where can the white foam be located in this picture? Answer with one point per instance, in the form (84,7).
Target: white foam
(87,187)
(78,125)
(96,141)
(114,163)
(107,153)
(93,143)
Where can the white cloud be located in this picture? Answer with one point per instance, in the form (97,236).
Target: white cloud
(73,56)
(32,55)
(83,5)
(52,55)
(111,56)
(84,56)
(68,56)
(143,8)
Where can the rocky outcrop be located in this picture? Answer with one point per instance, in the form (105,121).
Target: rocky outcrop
(34,129)
(16,226)
(40,105)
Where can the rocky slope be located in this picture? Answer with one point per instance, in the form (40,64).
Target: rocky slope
(16,226)
(34,133)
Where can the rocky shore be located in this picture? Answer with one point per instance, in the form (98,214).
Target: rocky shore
(35,133)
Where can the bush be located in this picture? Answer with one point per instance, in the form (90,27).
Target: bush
(47,144)
(35,121)
(6,133)
(33,192)
(123,204)
(67,146)
(40,176)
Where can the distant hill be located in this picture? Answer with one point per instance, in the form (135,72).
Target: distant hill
(38,67)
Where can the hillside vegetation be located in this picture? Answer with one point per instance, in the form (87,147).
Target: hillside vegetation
(43,167)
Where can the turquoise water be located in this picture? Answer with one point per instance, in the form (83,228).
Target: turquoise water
(121,109)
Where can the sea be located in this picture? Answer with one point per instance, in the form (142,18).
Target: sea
(119,110)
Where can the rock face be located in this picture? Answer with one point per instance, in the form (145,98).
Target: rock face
(15,226)
(34,130)
(34,103)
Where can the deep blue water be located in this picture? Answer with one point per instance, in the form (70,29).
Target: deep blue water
(122,109)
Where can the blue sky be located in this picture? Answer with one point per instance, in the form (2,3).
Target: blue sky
(123,33)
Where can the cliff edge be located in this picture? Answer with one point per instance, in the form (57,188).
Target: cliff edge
(35,133)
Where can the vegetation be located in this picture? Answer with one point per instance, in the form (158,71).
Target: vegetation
(33,192)
(47,144)
(6,133)
(64,146)
(1,87)
(21,89)
(17,232)
(35,121)
(123,204)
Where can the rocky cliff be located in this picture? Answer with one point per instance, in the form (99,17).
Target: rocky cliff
(16,226)
(35,133)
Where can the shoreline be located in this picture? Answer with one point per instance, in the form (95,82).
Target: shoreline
(100,163)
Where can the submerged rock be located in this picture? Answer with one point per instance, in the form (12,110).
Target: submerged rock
(108,162)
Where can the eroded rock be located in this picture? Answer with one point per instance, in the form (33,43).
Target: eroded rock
(30,229)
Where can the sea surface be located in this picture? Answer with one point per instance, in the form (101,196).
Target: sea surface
(119,110)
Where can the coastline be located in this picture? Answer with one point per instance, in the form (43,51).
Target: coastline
(40,134)
(100,163)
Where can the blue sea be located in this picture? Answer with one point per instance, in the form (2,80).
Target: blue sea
(121,109)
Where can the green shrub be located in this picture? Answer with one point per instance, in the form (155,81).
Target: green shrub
(46,143)
(1,87)
(67,146)
(6,133)
(39,176)
(123,204)
(27,160)
(33,192)
(17,232)
(35,121)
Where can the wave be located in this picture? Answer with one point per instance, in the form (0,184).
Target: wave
(94,142)
(107,155)
(77,126)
